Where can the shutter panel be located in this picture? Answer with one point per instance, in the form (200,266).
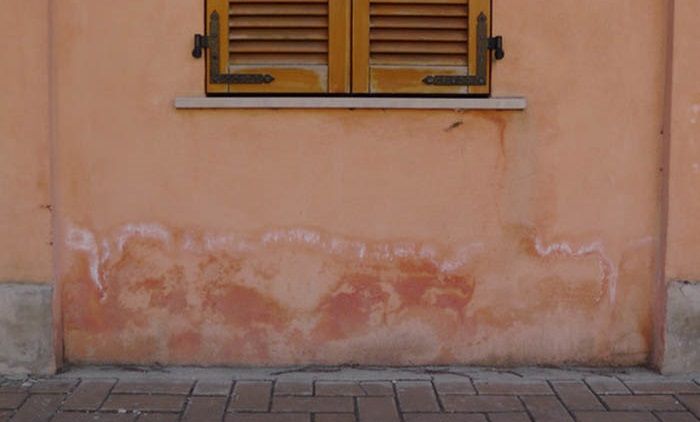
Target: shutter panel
(279,46)
(415,46)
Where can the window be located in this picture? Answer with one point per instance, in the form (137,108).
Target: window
(408,47)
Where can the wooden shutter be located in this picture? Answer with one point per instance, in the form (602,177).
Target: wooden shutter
(417,46)
(278,46)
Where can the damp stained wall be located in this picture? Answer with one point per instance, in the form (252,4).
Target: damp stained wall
(329,236)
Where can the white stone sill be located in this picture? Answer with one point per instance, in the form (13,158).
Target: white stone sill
(420,103)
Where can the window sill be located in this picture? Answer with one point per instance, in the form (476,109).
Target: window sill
(422,103)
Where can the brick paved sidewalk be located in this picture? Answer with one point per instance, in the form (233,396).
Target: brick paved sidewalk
(351,395)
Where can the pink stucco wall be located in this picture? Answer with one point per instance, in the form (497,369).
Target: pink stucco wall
(390,236)
(25,217)
(684,199)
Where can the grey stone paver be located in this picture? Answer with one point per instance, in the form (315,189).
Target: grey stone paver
(676,417)
(607,385)
(615,417)
(547,409)
(353,395)
(417,396)
(377,409)
(294,388)
(212,388)
(509,417)
(89,395)
(339,388)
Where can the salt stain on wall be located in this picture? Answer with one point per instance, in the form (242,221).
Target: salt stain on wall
(608,269)
(146,293)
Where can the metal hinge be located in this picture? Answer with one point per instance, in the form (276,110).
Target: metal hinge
(496,45)
(484,46)
(201,42)
(211,43)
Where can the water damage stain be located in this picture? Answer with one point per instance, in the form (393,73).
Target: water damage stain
(144,294)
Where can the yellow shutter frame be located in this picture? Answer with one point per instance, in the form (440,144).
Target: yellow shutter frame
(421,47)
(278,46)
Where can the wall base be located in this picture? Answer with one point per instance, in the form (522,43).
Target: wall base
(26,329)
(682,352)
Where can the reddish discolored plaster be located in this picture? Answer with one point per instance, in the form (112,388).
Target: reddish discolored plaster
(301,295)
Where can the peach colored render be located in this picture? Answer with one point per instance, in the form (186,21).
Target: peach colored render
(401,237)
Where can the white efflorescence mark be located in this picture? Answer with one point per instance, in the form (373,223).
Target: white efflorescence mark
(84,241)
(101,251)
(153,231)
(608,269)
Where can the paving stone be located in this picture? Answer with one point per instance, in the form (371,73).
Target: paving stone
(11,401)
(606,385)
(615,417)
(251,396)
(158,417)
(375,409)
(144,403)
(547,409)
(54,386)
(334,417)
(89,395)
(520,388)
(312,404)
(153,387)
(212,388)
(14,387)
(509,417)
(663,387)
(268,417)
(676,417)
(443,417)
(483,404)
(205,409)
(378,388)
(646,402)
(453,385)
(38,408)
(692,403)
(93,417)
(294,388)
(576,395)
(339,388)
(416,396)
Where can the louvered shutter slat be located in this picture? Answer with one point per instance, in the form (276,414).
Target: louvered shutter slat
(294,41)
(398,43)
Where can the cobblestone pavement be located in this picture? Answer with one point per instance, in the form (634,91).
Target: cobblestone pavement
(321,394)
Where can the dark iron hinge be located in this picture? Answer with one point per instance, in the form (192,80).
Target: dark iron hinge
(496,45)
(211,43)
(201,42)
(484,46)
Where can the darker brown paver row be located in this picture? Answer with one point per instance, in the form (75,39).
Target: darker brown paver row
(438,399)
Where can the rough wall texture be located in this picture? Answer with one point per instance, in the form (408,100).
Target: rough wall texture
(26,340)
(682,351)
(25,217)
(274,237)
